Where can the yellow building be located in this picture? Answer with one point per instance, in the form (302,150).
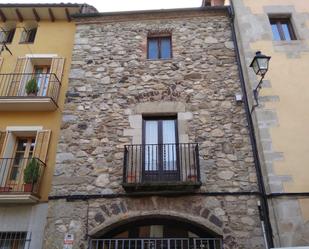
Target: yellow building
(280,29)
(36,42)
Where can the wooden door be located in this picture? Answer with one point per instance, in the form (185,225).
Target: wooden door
(22,154)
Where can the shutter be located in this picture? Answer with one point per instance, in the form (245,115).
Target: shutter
(41,144)
(57,66)
(3,138)
(18,79)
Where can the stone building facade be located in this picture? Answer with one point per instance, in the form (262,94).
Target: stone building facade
(113,89)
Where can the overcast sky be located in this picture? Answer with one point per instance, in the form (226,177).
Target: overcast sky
(123,5)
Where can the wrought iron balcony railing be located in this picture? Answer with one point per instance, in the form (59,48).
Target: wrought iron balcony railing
(157,243)
(166,164)
(20,175)
(13,85)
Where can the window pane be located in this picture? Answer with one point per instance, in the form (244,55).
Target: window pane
(275,30)
(169,147)
(151,141)
(286,32)
(165,48)
(153,52)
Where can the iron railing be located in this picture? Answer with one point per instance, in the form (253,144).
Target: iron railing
(12,240)
(157,243)
(148,163)
(12,175)
(13,85)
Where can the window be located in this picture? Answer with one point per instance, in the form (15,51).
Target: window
(160,150)
(7,36)
(282,29)
(17,150)
(13,240)
(28,36)
(159,47)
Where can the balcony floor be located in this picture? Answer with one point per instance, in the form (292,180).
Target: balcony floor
(27,104)
(18,198)
(159,186)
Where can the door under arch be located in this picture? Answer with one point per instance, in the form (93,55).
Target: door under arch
(157,233)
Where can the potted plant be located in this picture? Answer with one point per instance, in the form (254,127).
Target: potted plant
(32,87)
(31,175)
(131,178)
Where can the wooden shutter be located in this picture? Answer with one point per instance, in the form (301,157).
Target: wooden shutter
(41,144)
(17,79)
(57,66)
(3,139)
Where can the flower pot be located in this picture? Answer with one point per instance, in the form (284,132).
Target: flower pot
(192,178)
(131,178)
(32,94)
(5,189)
(28,187)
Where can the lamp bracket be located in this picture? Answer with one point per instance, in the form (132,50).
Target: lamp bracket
(256,93)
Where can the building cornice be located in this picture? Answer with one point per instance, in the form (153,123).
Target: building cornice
(107,17)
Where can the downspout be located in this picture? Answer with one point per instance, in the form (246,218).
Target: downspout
(261,185)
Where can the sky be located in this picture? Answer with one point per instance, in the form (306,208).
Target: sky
(123,5)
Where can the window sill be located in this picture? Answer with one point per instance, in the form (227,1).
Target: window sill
(292,42)
(26,42)
(170,59)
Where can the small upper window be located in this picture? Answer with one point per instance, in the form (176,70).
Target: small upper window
(6,36)
(282,29)
(28,36)
(159,47)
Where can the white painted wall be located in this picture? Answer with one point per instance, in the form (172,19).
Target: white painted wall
(25,218)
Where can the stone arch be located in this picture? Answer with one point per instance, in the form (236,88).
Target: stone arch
(112,222)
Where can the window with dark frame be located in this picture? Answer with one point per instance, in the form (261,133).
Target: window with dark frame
(282,29)
(160,139)
(159,47)
(28,36)
(7,36)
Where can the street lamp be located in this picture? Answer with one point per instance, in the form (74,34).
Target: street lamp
(260,65)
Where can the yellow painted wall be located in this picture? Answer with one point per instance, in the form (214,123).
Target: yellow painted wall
(51,38)
(289,79)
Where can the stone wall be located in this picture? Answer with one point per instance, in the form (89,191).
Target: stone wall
(112,84)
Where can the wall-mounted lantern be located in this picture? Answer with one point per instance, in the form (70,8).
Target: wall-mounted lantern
(260,65)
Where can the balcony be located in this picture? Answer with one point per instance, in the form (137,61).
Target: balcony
(161,167)
(13,95)
(157,243)
(18,183)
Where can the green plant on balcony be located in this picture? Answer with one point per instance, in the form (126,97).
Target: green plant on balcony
(31,175)
(32,87)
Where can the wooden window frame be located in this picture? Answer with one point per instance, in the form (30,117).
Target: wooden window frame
(278,21)
(159,38)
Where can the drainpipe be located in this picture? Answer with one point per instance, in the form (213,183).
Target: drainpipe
(264,204)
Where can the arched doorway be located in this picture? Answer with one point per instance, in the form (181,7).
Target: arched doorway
(156,233)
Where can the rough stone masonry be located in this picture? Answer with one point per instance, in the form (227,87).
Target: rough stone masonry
(113,84)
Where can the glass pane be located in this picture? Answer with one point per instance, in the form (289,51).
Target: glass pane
(276,33)
(166,48)
(169,147)
(21,144)
(286,32)
(151,147)
(153,52)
